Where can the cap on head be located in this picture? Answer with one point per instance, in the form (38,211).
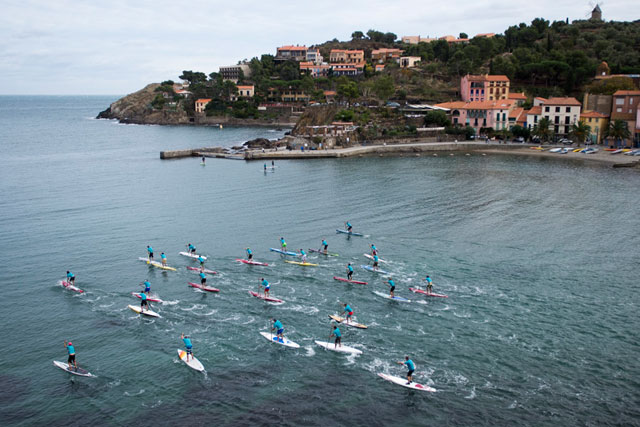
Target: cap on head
(69,343)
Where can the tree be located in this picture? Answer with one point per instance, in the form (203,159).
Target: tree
(579,132)
(543,129)
(193,77)
(436,118)
(348,90)
(289,71)
(389,38)
(463,36)
(357,35)
(619,131)
(520,132)
(376,36)
(384,87)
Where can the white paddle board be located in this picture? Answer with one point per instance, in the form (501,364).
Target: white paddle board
(395,298)
(403,382)
(341,348)
(138,310)
(194,256)
(79,371)
(350,323)
(275,339)
(193,363)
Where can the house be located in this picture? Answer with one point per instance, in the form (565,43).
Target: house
(234,72)
(417,39)
(563,113)
(286,53)
(347,69)
(383,55)
(183,93)
(379,67)
(201,104)
(533,117)
(409,61)
(484,87)
(487,35)
(625,107)
(597,122)
(330,95)
(519,97)
(344,56)
(288,94)
(454,40)
(244,91)
(313,56)
(538,101)
(315,70)
(479,114)
(517,117)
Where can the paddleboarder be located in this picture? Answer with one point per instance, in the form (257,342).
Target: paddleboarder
(71,278)
(303,255)
(187,343)
(429,284)
(203,164)
(348,312)
(325,245)
(150,252)
(203,278)
(410,366)
(72,354)
(277,326)
(143,301)
(265,166)
(201,263)
(147,287)
(283,244)
(266,286)
(349,271)
(374,250)
(336,333)
(191,249)
(249,254)
(348,226)
(163,257)
(375,261)
(392,286)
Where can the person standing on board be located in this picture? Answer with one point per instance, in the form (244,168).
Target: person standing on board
(374,250)
(349,271)
(72,354)
(191,249)
(273,165)
(410,366)
(348,312)
(143,301)
(203,278)
(303,255)
(277,326)
(348,226)
(71,279)
(266,286)
(375,262)
(147,287)
(249,254)
(392,286)
(201,263)
(150,252)
(325,246)
(187,344)
(163,257)
(429,284)
(283,244)
(203,164)
(336,333)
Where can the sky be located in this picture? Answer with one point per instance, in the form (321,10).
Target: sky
(115,47)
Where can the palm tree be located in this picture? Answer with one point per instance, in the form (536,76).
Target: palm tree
(580,132)
(543,129)
(618,130)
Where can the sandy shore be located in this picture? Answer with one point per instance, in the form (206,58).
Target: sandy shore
(601,156)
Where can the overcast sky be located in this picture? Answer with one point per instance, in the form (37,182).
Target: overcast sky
(117,46)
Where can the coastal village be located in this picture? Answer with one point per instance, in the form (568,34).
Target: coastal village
(327,109)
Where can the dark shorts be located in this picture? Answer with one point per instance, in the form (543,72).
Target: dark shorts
(250,256)
(393,288)
(147,290)
(326,247)
(338,340)
(375,263)
(143,303)
(189,350)
(72,358)
(410,373)
(280,331)
(203,281)
(349,274)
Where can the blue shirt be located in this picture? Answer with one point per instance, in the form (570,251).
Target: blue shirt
(163,256)
(410,365)
(187,342)
(282,241)
(337,333)
(150,249)
(143,296)
(391,282)
(375,258)
(324,243)
(350,268)
(373,247)
(202,276)
(191,247)
(277,325)
(147,285)
(201,259)
(302,253)
(248,251)
(428,279)
(265,283)
(69,275)
(349,224)
(348,309)
(71,350)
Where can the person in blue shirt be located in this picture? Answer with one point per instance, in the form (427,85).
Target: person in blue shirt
(201,260)
(277,326)
(188,345)
(249,254)
(265,167)
(71,351)
(348,226)
(325,246)
(374,250)
(203,278)
(163,257)
(349,271)
(147,287)
(392,286)
(71,278)
(336,333)
(283,244)
(266,286)
(143,301)
(348,311)
(150,252)
(191,249)
(410,366)
(429,284)
(303,255)
(375,261)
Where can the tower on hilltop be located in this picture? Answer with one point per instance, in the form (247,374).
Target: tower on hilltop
(596,13)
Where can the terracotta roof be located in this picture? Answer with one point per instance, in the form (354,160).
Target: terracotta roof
(329,92)
(488,78)
(386,50)
(539,98)
(245,87)
(452,104)
(292,48)
(517,95)
(515,113)
(534,111)
(347,51)
(626,92)
(485,35)
(594,115)
(563,101)
(206,100)
(477,105)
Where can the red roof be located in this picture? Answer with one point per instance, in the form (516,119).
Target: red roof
(534,111)
(626,92)
(516,112)
(488,78)
(517,95)
(292,48)
(205,100)
(563,101)
(246,87)
(593,115)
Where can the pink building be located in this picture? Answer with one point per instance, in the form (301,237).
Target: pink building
(484,88)
(479,114)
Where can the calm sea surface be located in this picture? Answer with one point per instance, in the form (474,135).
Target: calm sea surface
(539,258)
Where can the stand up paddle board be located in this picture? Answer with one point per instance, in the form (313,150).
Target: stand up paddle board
(152,299)
(203,287)
(69,286)
(420,291)
(280,251)
(350,233)
(74,371)
(273,338)
(194,256)
(138,310)
(322,252)
(206,270)
(395,298)
(304,264)
(374,270)
(261,296)
(246,261)
(339,349)
(342,279)
(371,258)
(351,323)
(403,383)
(157,264)
(193,363)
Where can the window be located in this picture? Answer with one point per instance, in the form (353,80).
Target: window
(556,128)
(546,109)
(619,109)
(568,109)
(619,101)
(630,101)
(535,119)
(557,109)
(566,120)
(556,120)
